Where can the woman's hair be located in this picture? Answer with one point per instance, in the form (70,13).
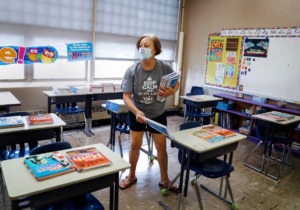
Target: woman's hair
(154,39)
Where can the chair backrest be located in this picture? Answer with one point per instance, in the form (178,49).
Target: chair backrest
(11,114)
(188,125)
(198,90)
(51,147)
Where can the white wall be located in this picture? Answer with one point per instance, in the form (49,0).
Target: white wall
(203,17)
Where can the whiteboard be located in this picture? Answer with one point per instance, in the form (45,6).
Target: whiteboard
(278,75)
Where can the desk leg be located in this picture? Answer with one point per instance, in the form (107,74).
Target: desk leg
(58,134)
(111,143)
(49,104)
(187,175)
(14,205)
(183,163)
(114,194)
(88,115)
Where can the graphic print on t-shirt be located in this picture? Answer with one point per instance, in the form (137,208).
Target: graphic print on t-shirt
(149,91)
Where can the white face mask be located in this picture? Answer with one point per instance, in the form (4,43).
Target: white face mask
(145,53)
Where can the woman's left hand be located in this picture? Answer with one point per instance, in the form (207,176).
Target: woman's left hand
(165,92)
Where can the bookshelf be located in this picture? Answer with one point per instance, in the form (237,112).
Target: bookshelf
(239,116)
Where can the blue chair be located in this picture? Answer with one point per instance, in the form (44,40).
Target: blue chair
(71,113)
(83,202)
(209,165)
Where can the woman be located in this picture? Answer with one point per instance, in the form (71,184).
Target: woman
(140,89)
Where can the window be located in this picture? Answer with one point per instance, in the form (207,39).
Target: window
(118,24)
(60,69)
(111,68)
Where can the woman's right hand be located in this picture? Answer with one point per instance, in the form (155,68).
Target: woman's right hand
(140,117)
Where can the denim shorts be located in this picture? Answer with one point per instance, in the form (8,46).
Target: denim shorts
(136,126)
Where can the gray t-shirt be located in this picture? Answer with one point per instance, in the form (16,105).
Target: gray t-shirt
(144,86)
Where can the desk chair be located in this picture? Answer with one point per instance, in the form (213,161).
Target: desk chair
(13,152)
(270,136)
(195,112)
(209,165)
(82,202)
(70,112)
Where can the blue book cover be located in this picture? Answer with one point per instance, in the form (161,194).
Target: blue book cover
(47,165)
(11,122)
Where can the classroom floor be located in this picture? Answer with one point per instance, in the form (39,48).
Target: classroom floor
(251,189)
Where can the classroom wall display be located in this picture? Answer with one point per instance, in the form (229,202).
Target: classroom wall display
(269,69)
(277,75)
(80,51)
(27,55)
(222,63)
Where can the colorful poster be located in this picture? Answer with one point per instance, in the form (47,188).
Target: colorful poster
(231,61)
(216,50)
(27,55)
(256,47)
(80,51)
(219,76)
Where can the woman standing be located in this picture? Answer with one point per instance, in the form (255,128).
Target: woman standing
(140,89)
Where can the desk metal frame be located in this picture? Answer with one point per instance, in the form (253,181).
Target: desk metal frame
(271,128)
(88,98)
(65,186)
(190,144)
(32,133)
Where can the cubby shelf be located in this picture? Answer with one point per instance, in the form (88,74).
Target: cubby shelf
(249,103)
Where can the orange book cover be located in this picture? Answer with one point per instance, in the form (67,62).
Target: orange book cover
(40,119)
(220,131)
(88,158)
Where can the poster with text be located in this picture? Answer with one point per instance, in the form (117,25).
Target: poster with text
(80,51)
(231,61)
(256,47)
(216,50)
(219,76)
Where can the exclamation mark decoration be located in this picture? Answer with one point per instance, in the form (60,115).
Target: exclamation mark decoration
(21,55)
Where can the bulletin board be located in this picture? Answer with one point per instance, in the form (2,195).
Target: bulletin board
(276,75)
(222,62)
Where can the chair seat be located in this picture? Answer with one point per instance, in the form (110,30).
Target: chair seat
(83,202)
(212,168)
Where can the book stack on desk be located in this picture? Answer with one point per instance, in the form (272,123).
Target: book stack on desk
(116,105)
(88,158)
(37,119)
(47,165)
(61,89)
(11,122)
(213,133)
(276,116)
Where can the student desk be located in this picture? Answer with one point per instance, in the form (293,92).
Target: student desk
(202,101)
(190,143)
(7,99)
(21,183)
(271,128)
(30,133)
(55,98)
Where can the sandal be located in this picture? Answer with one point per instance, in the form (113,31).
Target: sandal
(127,182)
(173,188)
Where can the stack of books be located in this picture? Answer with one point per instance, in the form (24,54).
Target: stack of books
(11,122)
(47,165)
(116,105)
(276,116)
(213,133)
(168,80)
(88,158)
(37,119)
